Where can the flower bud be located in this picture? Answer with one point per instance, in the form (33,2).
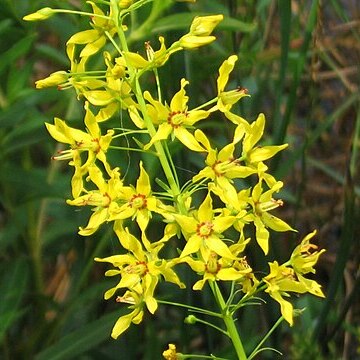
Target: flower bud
(124,4)
(55,79)
(41,14)
(190,319)
(193,42)
(204,25)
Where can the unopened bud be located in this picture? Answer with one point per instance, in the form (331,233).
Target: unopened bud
(191,319)
(193,42)
(124,4)
(41,14)
(55,79)
(204,25)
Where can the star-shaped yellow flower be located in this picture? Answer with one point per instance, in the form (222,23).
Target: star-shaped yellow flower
(103,199)
(305,256)
(141,265)
(174,120)
(226,99)
(92,141)
(282,280)
(261,203)
(215,269)
(94,39)
(254,154)
(203,231)
(137,202)
(222,166)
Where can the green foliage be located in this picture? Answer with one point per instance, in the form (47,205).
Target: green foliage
(51,303)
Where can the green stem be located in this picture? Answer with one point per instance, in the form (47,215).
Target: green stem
(258,347)
(191,308)
(81,13)
(229,322)
(164,160)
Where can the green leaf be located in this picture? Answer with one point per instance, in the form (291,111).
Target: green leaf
(15,52)
(12,290)
(80,341)
(183,20)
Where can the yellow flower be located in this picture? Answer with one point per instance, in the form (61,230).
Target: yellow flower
(253,155)
(135,298)
(193,42)
(226,99)
(214,269)
(248,282)
(137,202)
(94,39)
(261,203)
(92,142)
(303,260)
(103,200)
(115,93)
(170,353)
(140,266)
(154,58)
(303,257)
(222,166)
(174,120)
(280,281)
(203,231)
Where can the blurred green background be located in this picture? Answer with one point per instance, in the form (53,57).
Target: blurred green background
(300,61)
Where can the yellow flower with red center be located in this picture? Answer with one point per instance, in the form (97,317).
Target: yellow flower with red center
(261,203)
(103,200)
(137,202)
(175,120)
(214,269)
(281,280)
(222,166)
(140,267)
(203,231)
(92,142)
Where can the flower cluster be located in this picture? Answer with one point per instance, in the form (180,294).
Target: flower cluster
(212,218)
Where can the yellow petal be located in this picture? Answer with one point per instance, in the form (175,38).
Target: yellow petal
(219,247)
(122,324)
(264,153)
(192,246)
(83,37)
(187,139)
(93,47)
(135,60)
(224,71)
(179,101)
